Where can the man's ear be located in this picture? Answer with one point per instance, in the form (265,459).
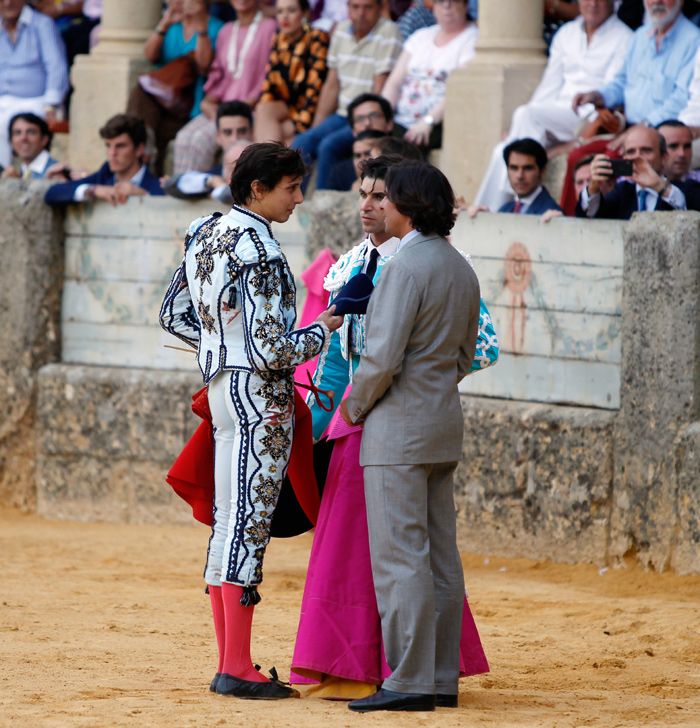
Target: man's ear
(257,189)
(140,149)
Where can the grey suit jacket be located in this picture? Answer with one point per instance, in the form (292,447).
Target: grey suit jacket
(422,324)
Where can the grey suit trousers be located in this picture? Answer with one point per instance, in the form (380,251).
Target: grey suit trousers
(417,572)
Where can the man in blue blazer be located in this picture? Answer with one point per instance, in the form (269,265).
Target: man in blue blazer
(679,159)
(123,175)
(526,161)
(646,190)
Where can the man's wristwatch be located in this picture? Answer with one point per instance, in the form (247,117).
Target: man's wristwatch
(429,120)
(664,189)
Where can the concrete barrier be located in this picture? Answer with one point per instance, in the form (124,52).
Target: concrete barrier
(119,261)
(31,279)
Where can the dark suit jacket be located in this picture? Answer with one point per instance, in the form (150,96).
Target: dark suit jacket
(621,203)
(543,202)
(63,192)
(691,189)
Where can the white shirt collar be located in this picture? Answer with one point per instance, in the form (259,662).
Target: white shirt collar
(138,177)
(405,239)
(527,201)
(25,15)
(38,164)
(387,248)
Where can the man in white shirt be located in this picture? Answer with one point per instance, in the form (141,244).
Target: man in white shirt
(646,190)
(30,139)
(585,53)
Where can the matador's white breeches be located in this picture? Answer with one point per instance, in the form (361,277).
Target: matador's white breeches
(253,418)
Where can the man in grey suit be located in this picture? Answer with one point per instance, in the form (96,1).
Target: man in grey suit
(422,325)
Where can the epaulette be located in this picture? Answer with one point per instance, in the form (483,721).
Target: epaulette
(260,249)
(205,229)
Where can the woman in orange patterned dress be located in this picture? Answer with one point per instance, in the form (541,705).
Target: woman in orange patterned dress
(294,76)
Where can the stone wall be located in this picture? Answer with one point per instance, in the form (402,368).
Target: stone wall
(106,437)
(31,280)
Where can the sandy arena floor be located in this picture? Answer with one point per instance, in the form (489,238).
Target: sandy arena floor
(108,625)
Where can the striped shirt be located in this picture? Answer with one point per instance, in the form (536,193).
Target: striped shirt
(357,62)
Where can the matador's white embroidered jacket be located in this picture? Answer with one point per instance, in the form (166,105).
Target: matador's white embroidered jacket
(234,298)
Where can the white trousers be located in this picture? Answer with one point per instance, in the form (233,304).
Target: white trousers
(253,418)
(547,123)
(9,106)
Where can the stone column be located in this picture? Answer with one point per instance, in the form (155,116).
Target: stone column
(103,79)
(482,96)
(656,486)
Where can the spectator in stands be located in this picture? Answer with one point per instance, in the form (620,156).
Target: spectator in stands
(679,155)
(588,51)
(362,151)
(416,85)
(582,174)
(363,50)
(234,127)
(237,73)
(75,20)
(33,72)
(398,147)
(30,139)
(655,77)
(294,76)
(184,32)
(647,189)
(123,175)
(653,82)
(197,185)
(525,160)
(366,112)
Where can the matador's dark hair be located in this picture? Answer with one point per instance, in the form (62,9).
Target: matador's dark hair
(266,162)
(422,193)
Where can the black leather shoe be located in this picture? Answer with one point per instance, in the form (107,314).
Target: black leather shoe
(443,700)
(212,684)
(388,700)
(251,690)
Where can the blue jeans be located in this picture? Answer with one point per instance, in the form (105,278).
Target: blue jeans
(327,143)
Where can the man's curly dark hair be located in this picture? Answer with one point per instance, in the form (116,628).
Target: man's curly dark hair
(422,193)
(267,163)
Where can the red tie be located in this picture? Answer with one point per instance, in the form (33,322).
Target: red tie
(517,207)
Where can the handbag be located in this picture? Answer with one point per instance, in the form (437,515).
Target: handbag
(172,85)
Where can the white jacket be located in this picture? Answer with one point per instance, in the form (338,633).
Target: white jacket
(234,298)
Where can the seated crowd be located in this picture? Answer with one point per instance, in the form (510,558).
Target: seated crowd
(333,79)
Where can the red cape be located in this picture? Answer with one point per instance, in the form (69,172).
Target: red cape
(192,474)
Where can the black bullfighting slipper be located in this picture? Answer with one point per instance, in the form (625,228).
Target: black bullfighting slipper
(444,700)
(251,690)
(212,684)
(388,700)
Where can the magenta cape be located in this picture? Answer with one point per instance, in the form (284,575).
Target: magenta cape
(339,627)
